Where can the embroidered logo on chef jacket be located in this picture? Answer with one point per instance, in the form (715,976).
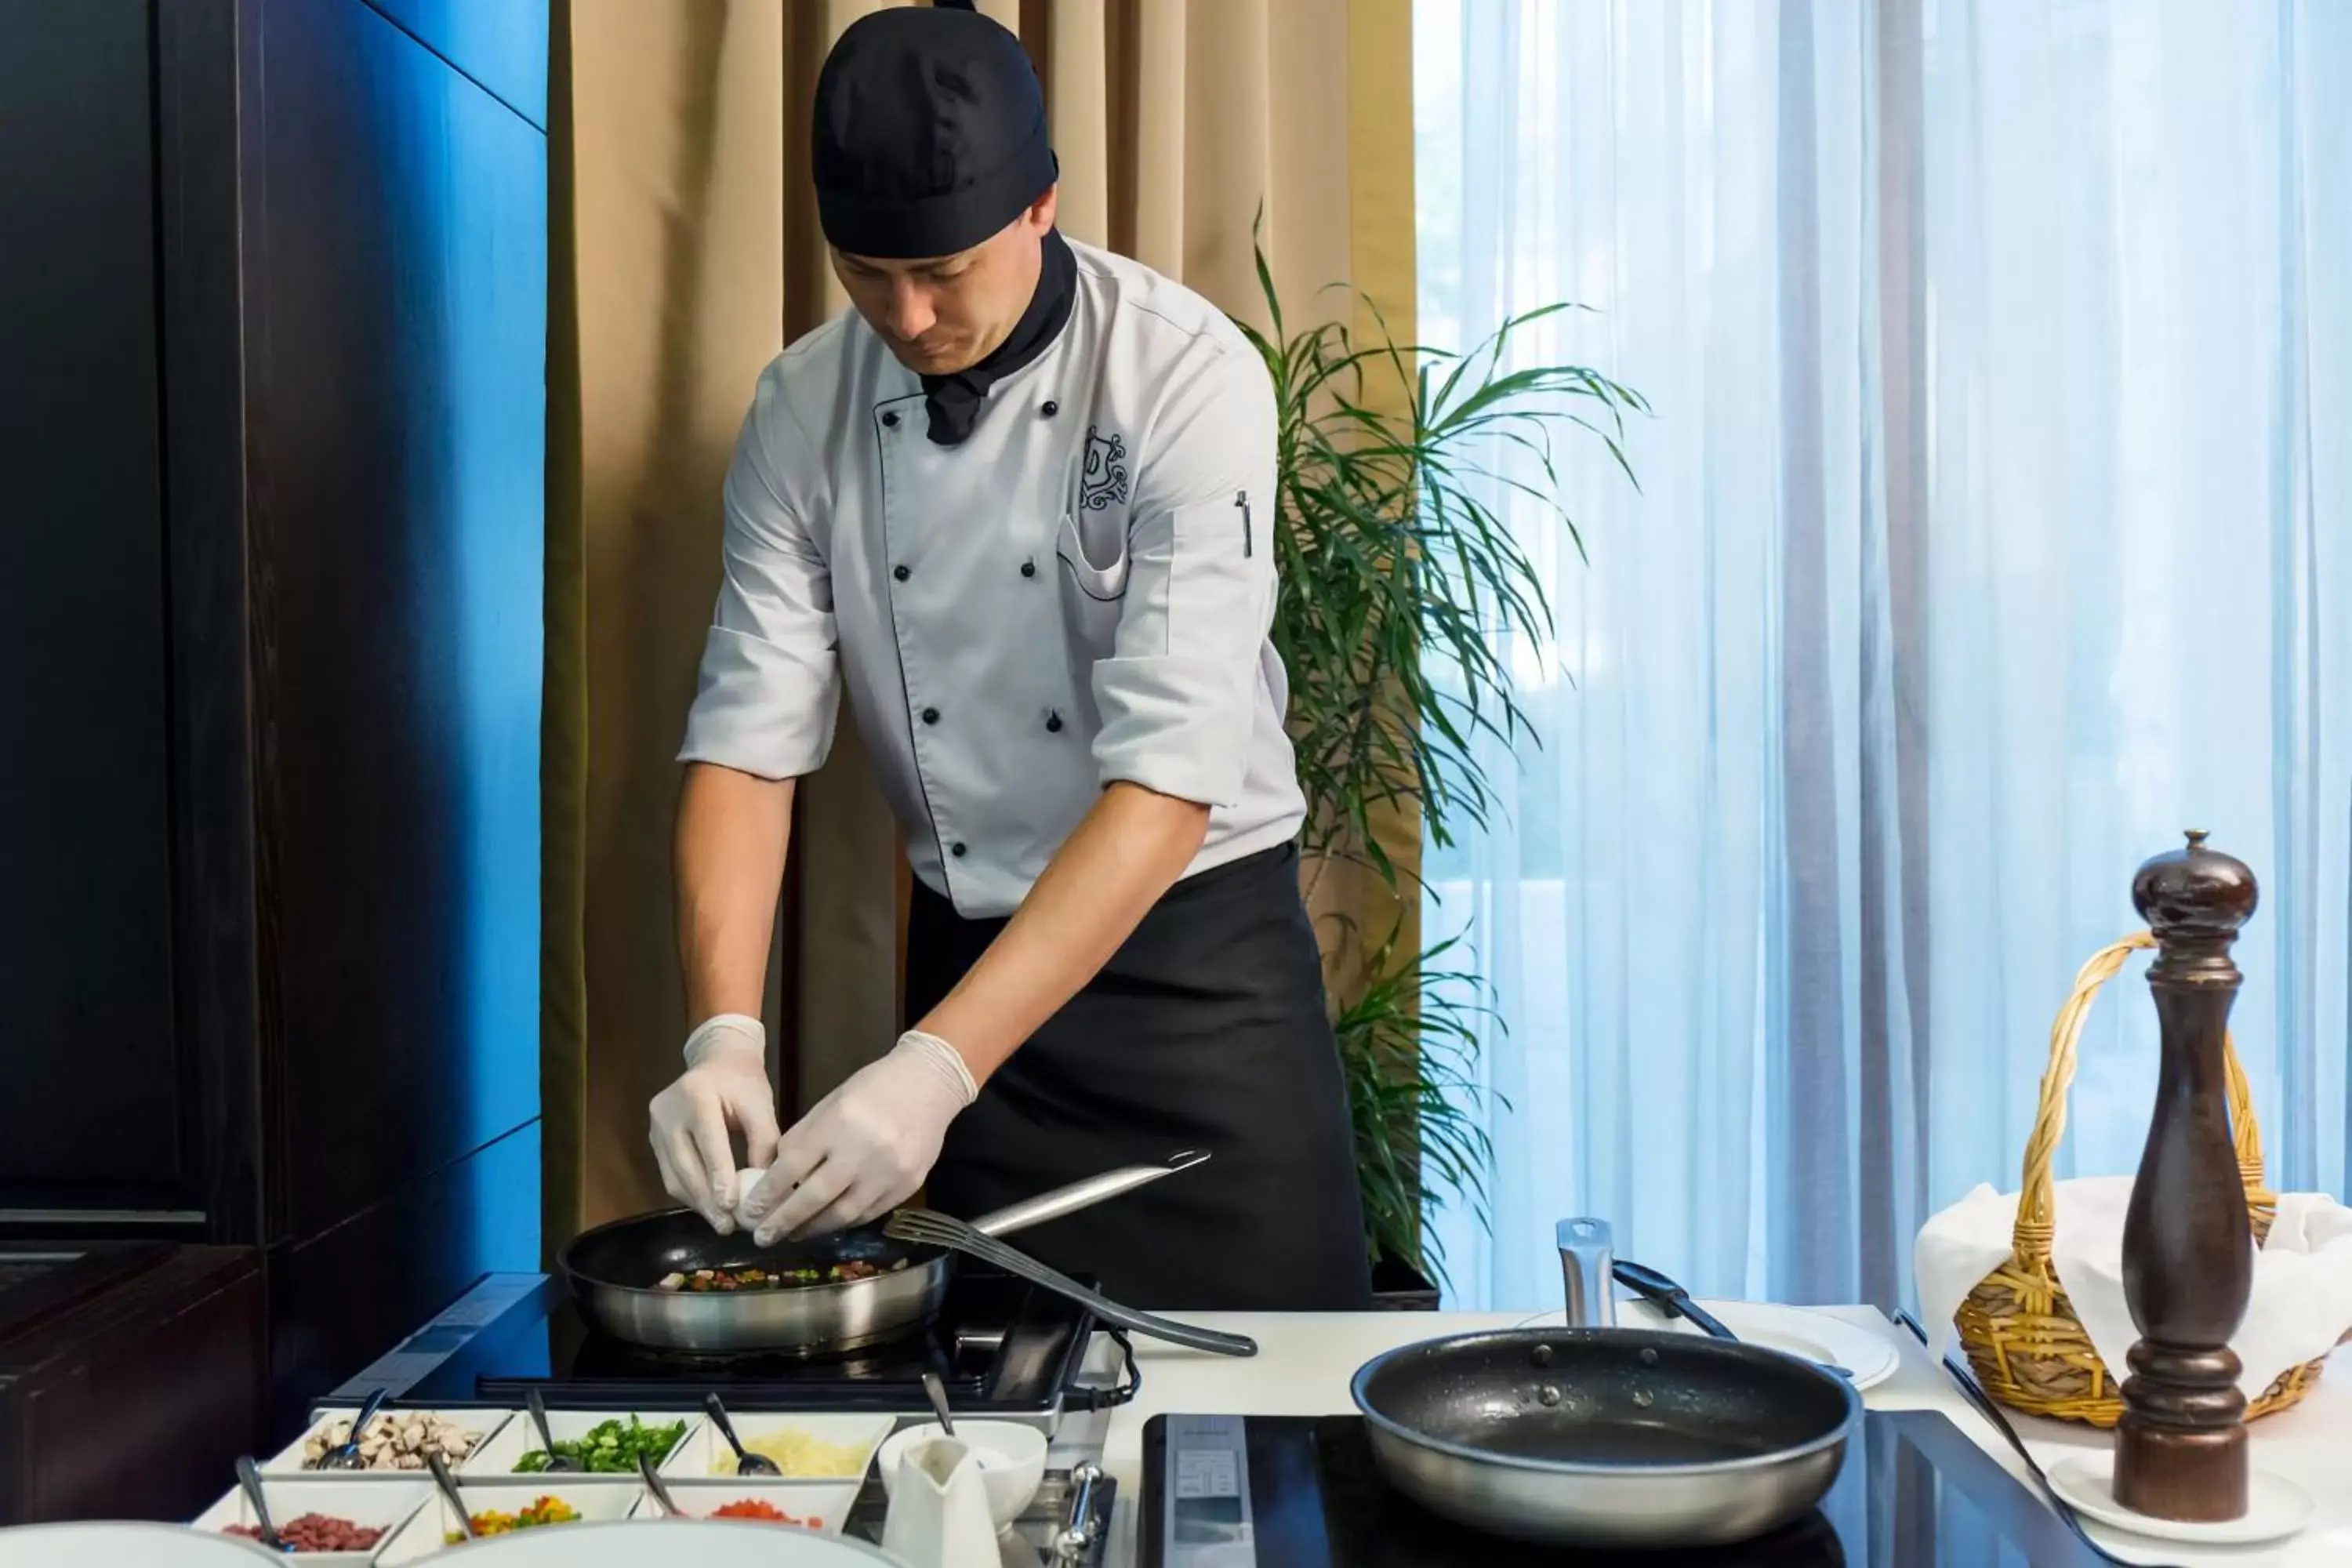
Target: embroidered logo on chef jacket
(1103,481)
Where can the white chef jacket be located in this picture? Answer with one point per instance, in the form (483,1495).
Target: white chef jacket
(1079,593)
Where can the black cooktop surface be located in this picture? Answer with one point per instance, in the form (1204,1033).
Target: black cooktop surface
(1914,1491)
(1001,1346)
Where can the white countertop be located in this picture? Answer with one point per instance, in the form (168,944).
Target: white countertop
(1304,1361)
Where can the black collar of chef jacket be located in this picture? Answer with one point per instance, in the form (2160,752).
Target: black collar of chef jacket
(954,402)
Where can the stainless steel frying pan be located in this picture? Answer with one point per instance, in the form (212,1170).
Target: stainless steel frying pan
(1599,1436)
(612,1268)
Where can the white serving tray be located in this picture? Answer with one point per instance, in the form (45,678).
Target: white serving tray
(827,1502)
(495,1460)
(288,1461)
(670,1543)
(427,1531)
(692,1461)
(390,1504)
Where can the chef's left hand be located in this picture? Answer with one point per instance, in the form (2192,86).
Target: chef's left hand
(867,1146)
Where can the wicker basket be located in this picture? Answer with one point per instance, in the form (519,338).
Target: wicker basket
(2017,1325)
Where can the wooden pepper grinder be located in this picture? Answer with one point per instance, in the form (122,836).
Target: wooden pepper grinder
(2189,1261)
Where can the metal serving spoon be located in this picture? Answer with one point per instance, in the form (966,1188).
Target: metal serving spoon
(656,1484)
(345,1455)
(937,1392)
(448,1484)
(250,1480)
(560,1464)
(746,1462)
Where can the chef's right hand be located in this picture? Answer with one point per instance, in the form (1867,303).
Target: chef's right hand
(725,1085)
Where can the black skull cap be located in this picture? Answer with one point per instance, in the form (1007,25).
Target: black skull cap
(928,135)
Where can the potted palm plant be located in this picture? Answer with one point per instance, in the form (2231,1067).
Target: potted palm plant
(1398,567)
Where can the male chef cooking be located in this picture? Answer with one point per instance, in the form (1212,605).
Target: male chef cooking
(1018,503)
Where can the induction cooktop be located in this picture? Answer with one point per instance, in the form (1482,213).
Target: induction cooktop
(1228,1491)
(1002,1347)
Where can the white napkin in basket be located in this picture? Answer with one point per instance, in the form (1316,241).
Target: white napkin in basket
(2300,1305)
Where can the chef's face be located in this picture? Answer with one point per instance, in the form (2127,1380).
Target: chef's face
(946,313)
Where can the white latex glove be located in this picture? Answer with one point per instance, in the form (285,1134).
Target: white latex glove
(866,1145)
(725,1085)
(747,1182)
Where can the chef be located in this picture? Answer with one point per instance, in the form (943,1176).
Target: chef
(1019,505)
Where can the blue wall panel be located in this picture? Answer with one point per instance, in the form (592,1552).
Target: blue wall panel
(397,393)
(501,44)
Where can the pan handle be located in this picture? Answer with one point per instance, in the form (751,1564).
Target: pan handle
(1586,1254)
(1082,1194)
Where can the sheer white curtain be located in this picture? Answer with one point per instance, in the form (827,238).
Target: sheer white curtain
(1995,525)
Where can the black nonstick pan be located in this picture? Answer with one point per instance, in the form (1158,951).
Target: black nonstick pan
(1602,1437)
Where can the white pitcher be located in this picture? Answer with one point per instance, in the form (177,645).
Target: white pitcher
(939,1510)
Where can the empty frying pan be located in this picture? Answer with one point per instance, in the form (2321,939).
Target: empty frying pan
(1600,1437)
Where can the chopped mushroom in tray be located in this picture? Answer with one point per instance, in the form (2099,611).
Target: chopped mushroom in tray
(395,1440)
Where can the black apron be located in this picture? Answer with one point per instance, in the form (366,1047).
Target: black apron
(1206,1030)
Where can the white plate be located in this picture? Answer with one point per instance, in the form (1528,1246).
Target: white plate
(288,1461)
(495,1460)
(381,1504)
(644,1544)
(693,1459)
(148,1545)
(2276,1507)
(1816,1336)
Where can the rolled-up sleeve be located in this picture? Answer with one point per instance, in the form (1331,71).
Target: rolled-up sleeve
(770,684)
(1179,696)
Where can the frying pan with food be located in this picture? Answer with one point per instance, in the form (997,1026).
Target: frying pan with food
(616,1270)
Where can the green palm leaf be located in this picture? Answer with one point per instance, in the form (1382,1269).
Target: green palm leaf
(1401,578)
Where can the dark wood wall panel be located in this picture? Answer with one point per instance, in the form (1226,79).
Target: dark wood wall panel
(85,844)
(272,315)
(199,222)
(398,408)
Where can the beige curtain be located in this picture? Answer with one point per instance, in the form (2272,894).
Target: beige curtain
(688,253)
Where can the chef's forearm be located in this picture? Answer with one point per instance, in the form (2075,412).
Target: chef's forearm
(1131,847)
(732,833)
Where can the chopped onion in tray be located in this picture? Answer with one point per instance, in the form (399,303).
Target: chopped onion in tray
(800,1456)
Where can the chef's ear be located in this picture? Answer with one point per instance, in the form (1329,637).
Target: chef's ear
(1042,211)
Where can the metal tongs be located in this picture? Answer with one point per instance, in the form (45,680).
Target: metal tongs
(1961,1373)
(924,1228)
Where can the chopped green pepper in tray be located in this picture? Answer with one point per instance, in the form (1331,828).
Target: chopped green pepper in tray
(610,1448)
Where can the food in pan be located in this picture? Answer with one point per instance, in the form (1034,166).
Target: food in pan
(752,1507)
(542,1511)
(798,1455)
(701,1281)
(611,1447)
(396,1440)
(317,1532)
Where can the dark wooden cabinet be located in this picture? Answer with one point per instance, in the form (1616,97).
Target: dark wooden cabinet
(127,1371)
(272,310)
(86,925)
